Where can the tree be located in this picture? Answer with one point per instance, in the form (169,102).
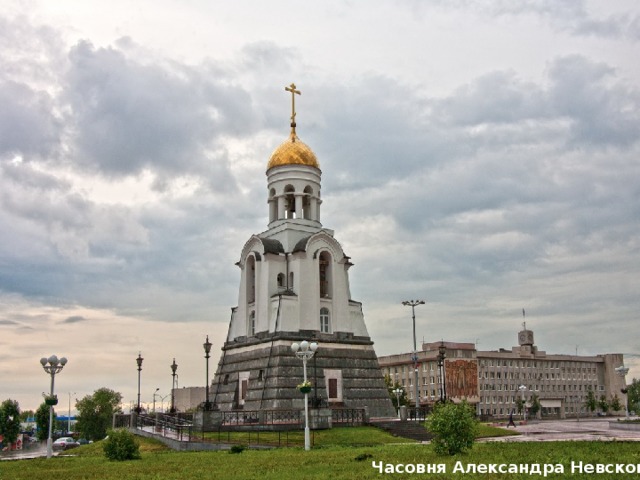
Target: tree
(633,395)
(603,404)
(591,402)
(454,427)
(95,413)
(615,404)
(391,386)
(9,421)
(535,405)
(26,415)
(42,421)
(519,405)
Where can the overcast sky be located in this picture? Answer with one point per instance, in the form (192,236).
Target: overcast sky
(480,155)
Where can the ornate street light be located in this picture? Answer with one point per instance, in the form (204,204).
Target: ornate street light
(52,365)
(398,391)
(413,304)
(305,351)
(174,367)
(207,351)
(442,353)
(154,399)
(139,362)
(523,389)
(622,371)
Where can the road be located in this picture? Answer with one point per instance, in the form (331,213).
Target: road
(558,430)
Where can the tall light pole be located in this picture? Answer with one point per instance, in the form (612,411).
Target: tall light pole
(622,371)
(154,399)
(69,416)
(442,351)
(523,389)
(207,351)
(174,367)
(139,362)
(413,304)
(398,391)
(305,350)
(52,365)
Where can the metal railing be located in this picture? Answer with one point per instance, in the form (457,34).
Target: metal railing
(418,414)
(292,418)
(348,416)
(248,427)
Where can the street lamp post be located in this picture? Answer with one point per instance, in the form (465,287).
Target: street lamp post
(52,365)
(442,353)
(622,371)
(523,389)
(139,362)
(69,416)
(413,304)
(207,351)
(154,399)
(174,367)
(305,351)
(398,391)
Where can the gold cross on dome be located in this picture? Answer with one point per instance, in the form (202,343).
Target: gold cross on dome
(292,88)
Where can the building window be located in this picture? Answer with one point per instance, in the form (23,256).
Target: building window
(325,275)
(251,279)
(325,326)
(251,327)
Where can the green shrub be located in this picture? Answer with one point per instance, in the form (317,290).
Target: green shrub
(454,427)
(121,445)
(237,449)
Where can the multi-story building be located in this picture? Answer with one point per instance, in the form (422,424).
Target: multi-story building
(494,380)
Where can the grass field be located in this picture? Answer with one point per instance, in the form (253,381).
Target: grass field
(324,461)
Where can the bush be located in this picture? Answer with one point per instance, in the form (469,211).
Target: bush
(121,445)
(454,427)
(237,449)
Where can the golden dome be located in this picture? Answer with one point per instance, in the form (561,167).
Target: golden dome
(293,152)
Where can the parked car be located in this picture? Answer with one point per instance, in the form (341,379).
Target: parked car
(65,443)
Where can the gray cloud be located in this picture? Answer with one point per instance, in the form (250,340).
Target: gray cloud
(75,319)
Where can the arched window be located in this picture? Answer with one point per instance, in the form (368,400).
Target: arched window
(306,203)
(325,274)
(325,321)
(290,202)
(273,205)
(290,286)
(280,280)
(251,279)
(251,325)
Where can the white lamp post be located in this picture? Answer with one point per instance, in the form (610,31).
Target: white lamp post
(622,371)
(52,365)
(413,304)
(305,351)
(522,389)
(398,391)
(69,416)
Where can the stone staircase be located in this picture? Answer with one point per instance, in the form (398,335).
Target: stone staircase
(405,429)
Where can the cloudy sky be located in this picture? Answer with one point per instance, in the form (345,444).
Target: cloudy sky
(481,155)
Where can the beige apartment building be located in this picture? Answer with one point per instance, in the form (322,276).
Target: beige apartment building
(493,380)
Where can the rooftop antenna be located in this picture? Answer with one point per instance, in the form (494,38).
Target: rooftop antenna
(524,322)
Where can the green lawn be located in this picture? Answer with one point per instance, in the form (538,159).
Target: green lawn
(333,462)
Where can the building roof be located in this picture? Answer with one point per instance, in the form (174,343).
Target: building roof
(293,152)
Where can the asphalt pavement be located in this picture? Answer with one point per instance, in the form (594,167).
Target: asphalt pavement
(559,430)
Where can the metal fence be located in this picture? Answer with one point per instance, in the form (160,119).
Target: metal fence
(348,416)
(247,427)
